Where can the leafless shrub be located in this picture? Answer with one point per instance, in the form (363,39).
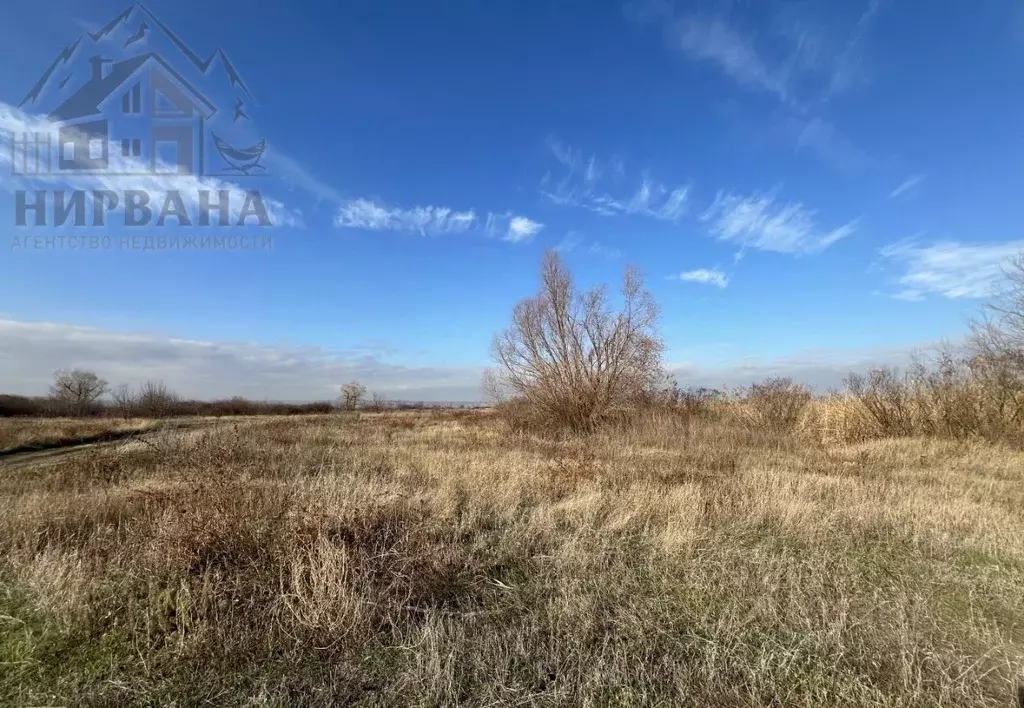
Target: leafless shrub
(691,402)
(569,359)
(520,416)
(887,397)
(775,405)
(155,400)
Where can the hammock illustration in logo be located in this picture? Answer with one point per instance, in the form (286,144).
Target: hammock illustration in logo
(243,160)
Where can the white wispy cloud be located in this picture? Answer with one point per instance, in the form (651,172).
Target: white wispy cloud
(295,174)
(511,227)
(762,222)
(583,183)
(372,215)
(125,174)
(521,228)
(950,269)
(908,184)
(848,63)
(602,251)
(706,276)
(823,138)
(791,57)
(573,240)
(426,220)
(800,64)
(651,199)
(718,42)
(569,243)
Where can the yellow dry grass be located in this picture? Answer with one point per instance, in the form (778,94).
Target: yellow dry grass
(438,559)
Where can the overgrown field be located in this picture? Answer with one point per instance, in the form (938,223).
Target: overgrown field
(439,559)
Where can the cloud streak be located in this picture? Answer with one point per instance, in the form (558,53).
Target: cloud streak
(706,276)
(762,222)
(795,60)
(908,184)
(797,63)
(425,220)
(949,269)
(583,184)
(371,215)
(719,43)
(848,62)
(573,240)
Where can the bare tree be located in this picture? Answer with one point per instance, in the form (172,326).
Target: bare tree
(378,401)
(75,391)
(572,358)
(352,395)
(124,400)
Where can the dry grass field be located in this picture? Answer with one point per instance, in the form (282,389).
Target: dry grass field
(437,559)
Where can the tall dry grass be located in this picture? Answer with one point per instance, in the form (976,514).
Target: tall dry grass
(430,559)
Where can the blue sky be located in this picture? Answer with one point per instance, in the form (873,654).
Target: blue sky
(807,185)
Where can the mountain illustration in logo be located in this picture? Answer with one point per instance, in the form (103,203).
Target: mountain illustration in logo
(133,98)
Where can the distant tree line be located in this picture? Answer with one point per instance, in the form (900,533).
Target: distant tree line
(82,393)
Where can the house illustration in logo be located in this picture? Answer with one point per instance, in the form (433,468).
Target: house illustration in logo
(136,116)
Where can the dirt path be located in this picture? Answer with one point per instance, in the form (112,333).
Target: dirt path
(42,457)
(51,452)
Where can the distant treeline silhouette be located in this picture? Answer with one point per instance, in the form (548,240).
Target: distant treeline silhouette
(48,407)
